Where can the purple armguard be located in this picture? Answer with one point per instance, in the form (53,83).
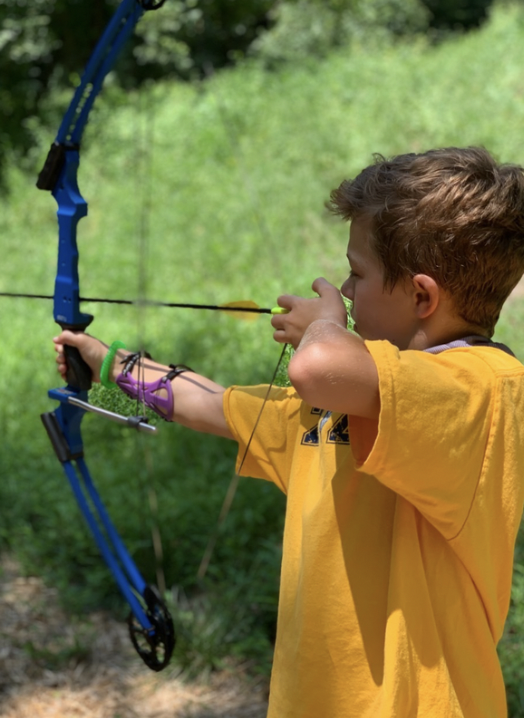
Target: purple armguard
(148,392)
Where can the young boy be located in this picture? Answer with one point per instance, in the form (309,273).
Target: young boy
(401,450)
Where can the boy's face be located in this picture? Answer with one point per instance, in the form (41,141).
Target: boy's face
(378,313)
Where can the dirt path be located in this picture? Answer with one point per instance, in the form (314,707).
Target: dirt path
(53,668)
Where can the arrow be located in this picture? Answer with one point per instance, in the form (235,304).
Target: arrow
(246,306)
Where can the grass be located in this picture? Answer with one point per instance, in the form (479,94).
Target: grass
(215,191)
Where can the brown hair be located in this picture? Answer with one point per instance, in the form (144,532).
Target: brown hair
(453,214)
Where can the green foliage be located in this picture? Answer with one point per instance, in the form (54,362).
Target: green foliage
(192,38)
(117,402)
(20,88)
(305,29)
(236,623)
(457,14)
(230,176)
(511,648)
(46,43)
(217,32)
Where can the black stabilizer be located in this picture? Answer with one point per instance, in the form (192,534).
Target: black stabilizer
(56,436)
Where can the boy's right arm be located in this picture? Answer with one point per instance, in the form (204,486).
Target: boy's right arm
(197,400)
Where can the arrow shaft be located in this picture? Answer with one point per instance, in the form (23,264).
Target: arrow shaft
(152,303)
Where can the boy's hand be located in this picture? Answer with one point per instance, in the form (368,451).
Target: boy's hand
(329,305)
(92,350)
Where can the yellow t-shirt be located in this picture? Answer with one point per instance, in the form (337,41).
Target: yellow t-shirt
(399,537)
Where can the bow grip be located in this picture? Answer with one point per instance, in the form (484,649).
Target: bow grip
(79,375)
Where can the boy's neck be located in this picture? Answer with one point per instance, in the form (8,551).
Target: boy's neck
(441,325)
(427,337)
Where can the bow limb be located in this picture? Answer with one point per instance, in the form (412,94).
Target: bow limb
(150,625)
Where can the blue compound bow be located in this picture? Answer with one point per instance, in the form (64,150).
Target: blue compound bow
(150,625)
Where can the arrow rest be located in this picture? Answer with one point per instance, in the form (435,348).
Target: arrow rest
(155,645)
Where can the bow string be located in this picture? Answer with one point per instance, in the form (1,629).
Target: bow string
(150,625)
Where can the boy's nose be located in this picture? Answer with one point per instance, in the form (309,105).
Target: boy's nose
(347,289)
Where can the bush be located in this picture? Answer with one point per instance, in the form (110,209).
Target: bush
(311,28)
(457,14)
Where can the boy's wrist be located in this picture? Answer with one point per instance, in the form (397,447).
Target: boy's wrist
(119,362)
(108,370)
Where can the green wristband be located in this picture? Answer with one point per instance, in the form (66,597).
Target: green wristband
(108,363)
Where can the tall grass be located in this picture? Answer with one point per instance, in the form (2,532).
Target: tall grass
(216,191)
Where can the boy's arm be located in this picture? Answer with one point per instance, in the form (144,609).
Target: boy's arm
(331,368)
(197,400)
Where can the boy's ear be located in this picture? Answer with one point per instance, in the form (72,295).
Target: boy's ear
(426,295)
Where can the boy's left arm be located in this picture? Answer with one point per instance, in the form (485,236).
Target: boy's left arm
(331,368)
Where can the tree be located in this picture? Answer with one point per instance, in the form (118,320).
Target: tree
(45,43)
(457,14)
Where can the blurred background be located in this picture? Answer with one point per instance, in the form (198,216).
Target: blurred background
(206,164)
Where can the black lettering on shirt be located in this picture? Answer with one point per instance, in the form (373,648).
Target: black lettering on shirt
(338,434)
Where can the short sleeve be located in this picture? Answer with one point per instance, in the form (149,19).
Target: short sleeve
(433,429)
(265,426)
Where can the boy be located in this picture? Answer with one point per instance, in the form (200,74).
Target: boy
(401,450)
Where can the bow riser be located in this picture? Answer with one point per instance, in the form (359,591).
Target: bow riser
(71,208)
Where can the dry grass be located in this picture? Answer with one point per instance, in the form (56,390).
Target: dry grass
(52,667)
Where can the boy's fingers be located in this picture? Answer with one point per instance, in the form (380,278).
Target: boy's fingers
(286,301)
(72,339)
(322,286)
(280,336)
